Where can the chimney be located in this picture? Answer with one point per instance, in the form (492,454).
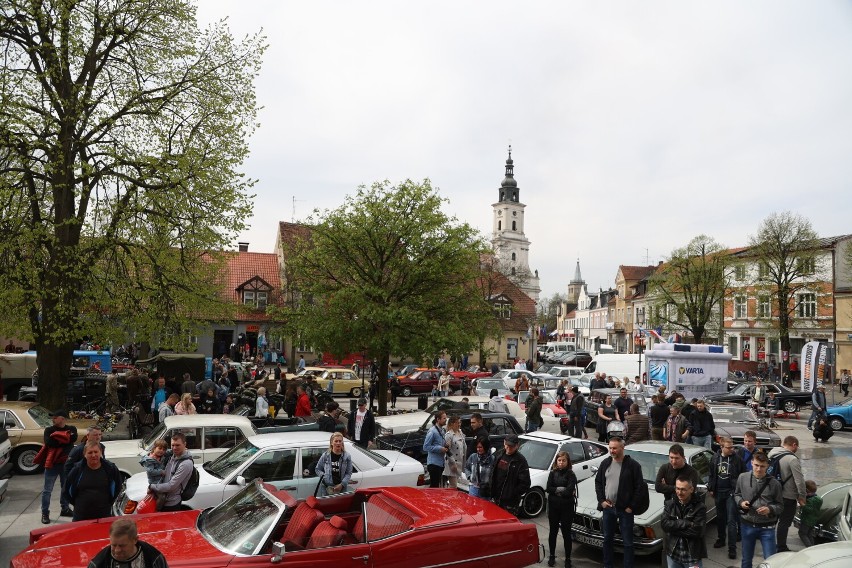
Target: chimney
(243,247)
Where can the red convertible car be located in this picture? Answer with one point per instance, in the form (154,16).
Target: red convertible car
(380,527)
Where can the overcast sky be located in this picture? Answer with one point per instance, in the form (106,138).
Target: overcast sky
(635,126)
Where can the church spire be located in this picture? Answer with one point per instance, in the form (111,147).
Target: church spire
(509,187)
(577,278)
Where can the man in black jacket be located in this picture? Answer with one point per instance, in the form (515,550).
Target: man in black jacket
(669,472)
(683,521)
(125,549)
(618,487)
(511,476)
(702,424)
(725,468)
(659,413)
(578,402)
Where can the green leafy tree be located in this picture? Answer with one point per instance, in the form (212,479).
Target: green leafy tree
(686,292)
(388,273)
(122,128)
(786,249)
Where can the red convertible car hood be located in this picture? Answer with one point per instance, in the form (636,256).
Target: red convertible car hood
(73,545)
(446,506)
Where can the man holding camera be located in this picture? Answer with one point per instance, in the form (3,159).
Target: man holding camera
(758,498)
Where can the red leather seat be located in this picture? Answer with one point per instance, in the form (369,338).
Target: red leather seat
(328,533)
(303,522)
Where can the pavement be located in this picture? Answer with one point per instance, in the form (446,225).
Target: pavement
(20,512)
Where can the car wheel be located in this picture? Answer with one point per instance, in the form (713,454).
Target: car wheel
(790,406)
(533,503)
(836,423)
(406,391)
(356,392)
(23,460)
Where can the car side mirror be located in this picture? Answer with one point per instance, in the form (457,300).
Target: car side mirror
(241,481)
(277,552)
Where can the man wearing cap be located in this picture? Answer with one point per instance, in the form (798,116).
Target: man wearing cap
(817,405)
(511,476)
(362,424)
(59,440)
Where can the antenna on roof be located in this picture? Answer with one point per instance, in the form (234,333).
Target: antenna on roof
(293,218)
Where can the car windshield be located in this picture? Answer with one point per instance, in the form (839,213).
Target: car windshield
(378,458)
(155,434)
(741,389)
(227,463)
(844,403)
(41,416)
(488,384)
(539,454)
(243,523)
(441,404)
(741,414)
(501,374)
(650,463)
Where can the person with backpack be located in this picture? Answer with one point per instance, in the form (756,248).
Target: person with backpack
(561,505)
(177,481)
(622,493)
(784,465)
(758,499)
(725,469)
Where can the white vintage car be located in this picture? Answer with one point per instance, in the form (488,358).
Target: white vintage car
(831,555)
(286,461)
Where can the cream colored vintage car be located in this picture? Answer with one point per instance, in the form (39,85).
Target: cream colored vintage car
(343,381)
(25,423)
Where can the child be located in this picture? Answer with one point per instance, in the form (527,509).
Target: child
(155,465)
(228,407)
(810,514)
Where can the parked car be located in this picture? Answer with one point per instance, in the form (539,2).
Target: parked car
(788,399)
(425,381)
(562,371)
(81,392)
(648,533)
(281,422)
(498,425)
(285,461)
(540,449)
(207,437)
(391,527)
(548,402)
(835,508)
(472,372)
(831,555)
(484,385)
(733,420)
(24,423)
(597,396)
(510,376)
(5,461)
(573,358)
(840,416)
(406,370)
(346,382)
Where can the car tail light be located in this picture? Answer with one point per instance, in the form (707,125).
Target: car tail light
(649,532)
(421,480)
(129,507)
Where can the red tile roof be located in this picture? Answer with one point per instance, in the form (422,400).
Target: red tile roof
(636,272)
(244,266)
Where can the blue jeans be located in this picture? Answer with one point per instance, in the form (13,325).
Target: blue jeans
(814,416)
(727,518)
(473,490)
(676,564)
(616,518)
(50,476)
(705,441)
(750,535)
(532,426)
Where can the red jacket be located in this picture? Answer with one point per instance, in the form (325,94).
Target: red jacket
(303,405)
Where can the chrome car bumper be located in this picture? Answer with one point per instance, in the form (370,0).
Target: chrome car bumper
(587,530)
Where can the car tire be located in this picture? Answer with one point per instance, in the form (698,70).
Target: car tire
(23,460)
(406,391)
(836,423)
(533,503)
(356,392)
(790,406)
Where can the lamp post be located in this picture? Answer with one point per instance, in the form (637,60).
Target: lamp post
(640,320)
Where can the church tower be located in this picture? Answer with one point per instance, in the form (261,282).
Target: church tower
(575,287)
(511,246)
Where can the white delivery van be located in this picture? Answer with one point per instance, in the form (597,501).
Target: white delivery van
(618,365)
(695,371)
(18,369)
(554,347)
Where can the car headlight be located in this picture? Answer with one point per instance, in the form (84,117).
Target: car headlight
(385,431)
(638,531)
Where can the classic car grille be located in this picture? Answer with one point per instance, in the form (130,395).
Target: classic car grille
(385,445)
(582,521)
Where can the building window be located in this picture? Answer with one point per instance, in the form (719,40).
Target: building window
(806,266)
(763,310)
(740,272)
(740,307)
(499,225)
(763,270)
(513,256)
(807,305)
(733,346)
(255,299)
(503,311)
(514,226)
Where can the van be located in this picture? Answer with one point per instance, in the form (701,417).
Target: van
(615,365)
(17,369)
(554,347)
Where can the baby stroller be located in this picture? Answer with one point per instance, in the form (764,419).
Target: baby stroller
(615,429)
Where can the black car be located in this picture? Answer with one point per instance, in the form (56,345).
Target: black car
(597,396)
(788,399)
(733,420)
(83,392)
(498,424)
(575,358)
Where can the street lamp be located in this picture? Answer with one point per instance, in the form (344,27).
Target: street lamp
(640,320)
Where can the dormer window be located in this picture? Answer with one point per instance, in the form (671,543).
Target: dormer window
(255,293)
(255,299)
(502,306)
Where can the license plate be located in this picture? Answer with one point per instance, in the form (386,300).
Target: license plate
(591,541)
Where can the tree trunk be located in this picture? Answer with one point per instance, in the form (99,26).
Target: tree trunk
(382,384)
(54,370)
